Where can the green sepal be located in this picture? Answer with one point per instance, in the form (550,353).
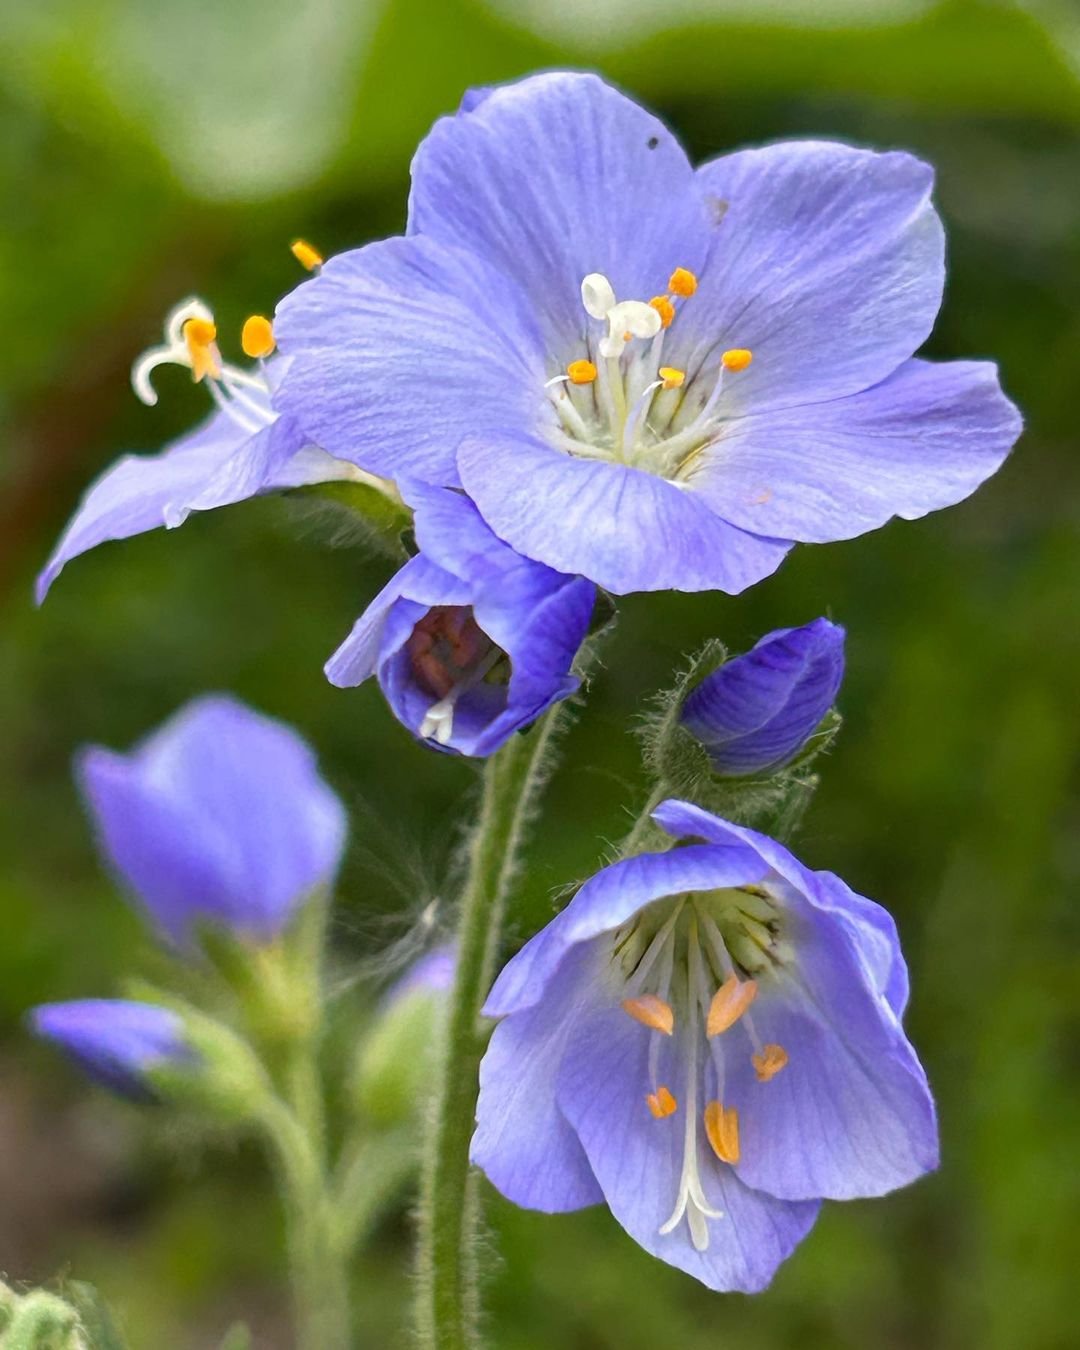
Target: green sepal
(672,756)
(355,515)
(223,1080)
(395,1061)
(679,765)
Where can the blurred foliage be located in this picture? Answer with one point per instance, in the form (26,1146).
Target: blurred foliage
(148,149)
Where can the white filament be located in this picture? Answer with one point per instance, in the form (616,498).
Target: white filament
(691,1201)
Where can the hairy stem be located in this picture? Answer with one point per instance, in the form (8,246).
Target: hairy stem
(447,1268)
(317,1266)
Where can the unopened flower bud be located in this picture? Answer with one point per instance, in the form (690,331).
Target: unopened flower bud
(755,713)
(396,1060)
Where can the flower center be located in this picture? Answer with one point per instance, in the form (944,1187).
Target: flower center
(690,968)
(449,654)
(618,402)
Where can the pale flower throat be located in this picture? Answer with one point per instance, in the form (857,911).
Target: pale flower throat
(690,968)
(619,402)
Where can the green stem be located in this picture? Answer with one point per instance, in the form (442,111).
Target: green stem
(447,1290)
(317,1267)
(368,1180)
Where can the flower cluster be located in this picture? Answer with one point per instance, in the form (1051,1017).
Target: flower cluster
(585,366)
(630,372)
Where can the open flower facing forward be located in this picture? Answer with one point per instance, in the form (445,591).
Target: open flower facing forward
(243,449)
(650,375)
(755,712)
(117,1042)
(470,641)
(709,1041)
(220,817)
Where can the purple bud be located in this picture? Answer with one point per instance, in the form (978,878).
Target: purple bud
(431,973)
(115,1041)
(756,711)
(219,817)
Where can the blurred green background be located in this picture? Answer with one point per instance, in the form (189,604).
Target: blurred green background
(150,148)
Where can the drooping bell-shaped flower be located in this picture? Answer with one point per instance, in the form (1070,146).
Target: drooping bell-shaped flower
(651,375)
(245,448)
(755,712)
(219,817)
(470,642)
(117,1042)
(709,1041)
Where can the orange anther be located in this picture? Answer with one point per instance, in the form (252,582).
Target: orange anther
(305,255)
(769,1062)
(729,1003)
(199,338)
(581,372)
(682,282)
(661,1103)
(664,308)
(738,358)
(672,378)
(652,1012)
(722,1129)
(257,336)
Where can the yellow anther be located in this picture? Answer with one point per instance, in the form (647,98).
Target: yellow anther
(729,1003)
(722,1128)
(199,337)
(305,255)
(257,336)
(769,1062)
(661,1103)
(738,358)
(682,282)
(672,378)
(664,308)
(652,1012)
(581,372)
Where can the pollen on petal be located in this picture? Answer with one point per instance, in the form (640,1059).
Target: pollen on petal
(651,1011)
(672,378)
(729,1003)
(661,1103)
(664,308)
(581,372)
(305,255)
(769,1061)
(199,338)
(682,282)
(722,1129)
(257,336)
(738,358)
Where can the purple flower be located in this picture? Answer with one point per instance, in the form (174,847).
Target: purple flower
(651,376)
(470,641)
(755,712)
(709,1041)
(115,1041)
(219,817)
(244,449)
